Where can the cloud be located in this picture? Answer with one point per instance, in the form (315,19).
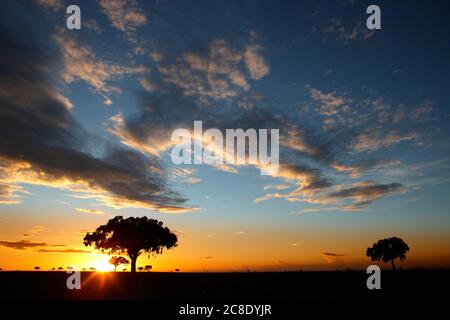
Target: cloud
(33,231)
(63,251)
(372,140)
(331,257)
(309,179)
(82,63)
(363,193)
(9,193)
(25,244)
(84,231)
(277,186)
(350,207)
(215,73)
(336,29)
(330,254)
(357,169)
(184,175)
(420,112)
(147,85)
(124,15)
(255,62)
(192,180)
(90,211)
(54,5)
(150,130)
(329,102)
(91,24)
(42,143)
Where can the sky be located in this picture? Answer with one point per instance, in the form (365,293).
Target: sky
(86,118)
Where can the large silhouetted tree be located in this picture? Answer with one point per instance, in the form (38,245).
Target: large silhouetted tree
(116,261)
(388,250)
(132,236)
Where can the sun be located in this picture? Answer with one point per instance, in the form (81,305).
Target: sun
(103,266)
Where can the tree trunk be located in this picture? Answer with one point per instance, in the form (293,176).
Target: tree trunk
(133,264)
(393,265)
(115,267)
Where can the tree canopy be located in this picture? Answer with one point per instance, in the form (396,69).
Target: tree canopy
(131,236)
(116,261)
(388,250)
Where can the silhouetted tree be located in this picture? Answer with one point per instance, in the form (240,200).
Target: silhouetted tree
(84,269)
(53,269)
(92,268)
(60,269)
(116,261)
(124,269)
(141,268)
(133,236)
(37,268)
(1,269)
(388,250)
(177,270)
(148,268)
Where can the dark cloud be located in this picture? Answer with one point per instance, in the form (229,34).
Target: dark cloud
(334,255)
(42,143)
(63,251)
(363,193)
(310,179)
(24,244)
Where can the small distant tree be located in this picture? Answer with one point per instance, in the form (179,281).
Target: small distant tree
(140,269)
(177,270)
(388,250)
(84,269)
(60,269)
(1,269)
(148,268)
(37,268)
(92,268)
(124,269)
(53,269)
(116,261)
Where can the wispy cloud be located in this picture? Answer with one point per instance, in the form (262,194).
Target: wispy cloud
(82,63)
(90,211)
(124,15)
(33,231)
(373,140)
(54,5)
(63,251)
(329,102)
(336,29)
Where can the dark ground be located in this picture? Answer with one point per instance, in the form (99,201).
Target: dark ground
(222,287)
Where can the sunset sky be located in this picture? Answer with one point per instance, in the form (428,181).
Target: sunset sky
(86,118)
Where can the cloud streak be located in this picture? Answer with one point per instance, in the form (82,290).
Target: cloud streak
(25,244)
